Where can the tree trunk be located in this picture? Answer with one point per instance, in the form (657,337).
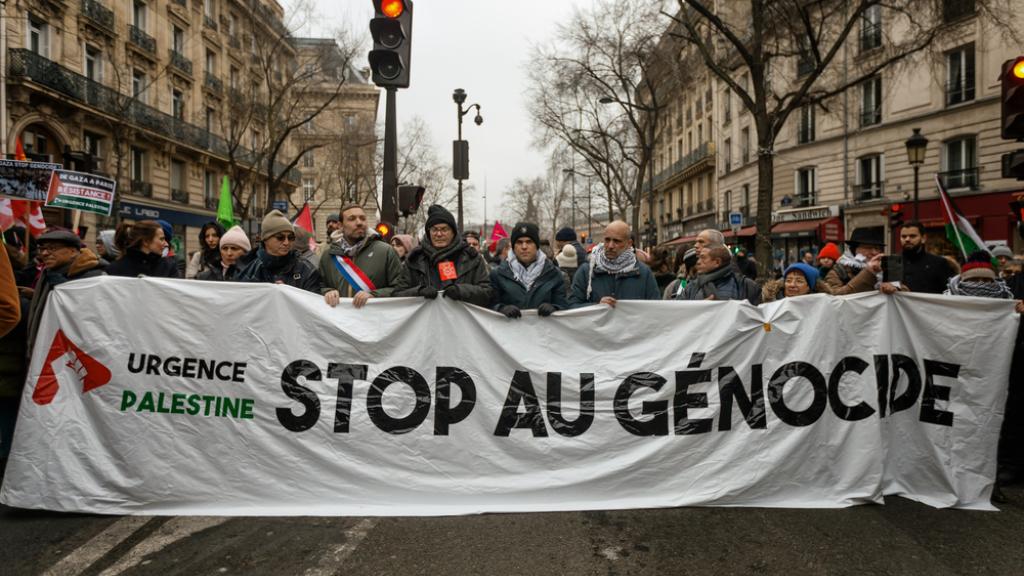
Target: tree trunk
(765,179)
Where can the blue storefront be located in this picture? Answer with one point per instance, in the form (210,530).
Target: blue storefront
(184,240)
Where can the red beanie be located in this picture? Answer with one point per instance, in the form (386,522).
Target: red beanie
(830,250)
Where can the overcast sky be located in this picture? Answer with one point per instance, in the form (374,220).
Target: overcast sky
(481,47)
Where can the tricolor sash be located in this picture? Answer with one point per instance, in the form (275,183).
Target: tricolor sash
(355,277)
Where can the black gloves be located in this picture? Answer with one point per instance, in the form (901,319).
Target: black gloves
(453,292)
(510,311)
(546,309)
(428,292)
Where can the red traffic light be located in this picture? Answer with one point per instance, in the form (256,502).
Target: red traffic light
(392,8)
(894,208)
(384,229)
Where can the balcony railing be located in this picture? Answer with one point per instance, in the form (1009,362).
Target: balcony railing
(696,155)
(871,117)
(181,2)
(804,200)
(956,9)
(98,13)
(965,178)
(870,37)
(140,188)
(209,22)
(234,42)
(213,84)
(211,202)
(179,61)
(179,196)
(141,39)
(869,191)
(959,92)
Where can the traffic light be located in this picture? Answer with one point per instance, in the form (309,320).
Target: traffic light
(391,30)
(385,230)
(409,198)
(895,215)
(1013,99)
(1013,164)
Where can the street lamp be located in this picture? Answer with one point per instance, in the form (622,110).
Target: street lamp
(572,188)
(460,164)
(916,146)
(650,225)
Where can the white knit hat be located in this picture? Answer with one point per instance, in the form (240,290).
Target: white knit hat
(567,257)
(236,237)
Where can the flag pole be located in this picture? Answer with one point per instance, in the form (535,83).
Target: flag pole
(949,213)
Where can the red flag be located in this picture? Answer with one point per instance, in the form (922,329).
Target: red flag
(497,232)
(6,213)
(19,152)
(305,221)
(28,212)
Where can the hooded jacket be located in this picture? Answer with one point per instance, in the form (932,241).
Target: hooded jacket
(291,269)
(421,269)
(548,287)
(85,265)
(135,263)
(377,259)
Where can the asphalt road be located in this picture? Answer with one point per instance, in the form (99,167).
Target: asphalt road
(899,538)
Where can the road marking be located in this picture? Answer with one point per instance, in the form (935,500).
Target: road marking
(174,530)
(86,554)
(333,558)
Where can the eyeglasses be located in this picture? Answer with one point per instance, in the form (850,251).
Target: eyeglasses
(51,248)
(284,237)
(440,230)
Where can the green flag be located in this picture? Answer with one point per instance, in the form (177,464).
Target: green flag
(225,212)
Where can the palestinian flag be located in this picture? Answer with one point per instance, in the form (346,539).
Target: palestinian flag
(958,229)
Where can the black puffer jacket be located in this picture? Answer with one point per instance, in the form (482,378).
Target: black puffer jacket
(291,269)
(926,272)
(421,269)
(135,263)
(548,287)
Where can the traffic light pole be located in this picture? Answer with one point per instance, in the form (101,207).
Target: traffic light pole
(388,206)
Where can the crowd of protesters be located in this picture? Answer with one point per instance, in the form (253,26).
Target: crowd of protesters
(523,274)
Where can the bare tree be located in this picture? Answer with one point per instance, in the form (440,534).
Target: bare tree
(599,87)
(762,37)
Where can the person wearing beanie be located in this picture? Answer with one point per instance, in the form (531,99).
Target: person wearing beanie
(568,236)
(233,245)
(358,264)
(333,225)
(527,279)
(687,270)
(569,264)
(142,245)
(922,270)
(798,279)
(276,261)
(208,255)
(835,276)
(444,262)
(978,278)
(1003,256)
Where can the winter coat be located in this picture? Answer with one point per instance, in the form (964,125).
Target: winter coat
(675,288)
(10,303)
(725,283)
(926,272)
(636,285)
(291,269)
(776,290)
(219,274)
(377,259)
(864,281)
(135,263)
(421,269)
(581,253)
(548,287)
(12,354)
(836,276)
(747,267)
(85,265)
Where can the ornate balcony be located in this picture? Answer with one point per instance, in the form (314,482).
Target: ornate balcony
(179,61)
(139,38)
(98,14)
(140,188)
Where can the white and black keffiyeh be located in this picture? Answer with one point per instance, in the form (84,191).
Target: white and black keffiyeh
(526,275)
(997,289)
(624,263)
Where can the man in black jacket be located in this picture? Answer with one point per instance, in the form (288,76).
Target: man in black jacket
(528,280)
(922,270)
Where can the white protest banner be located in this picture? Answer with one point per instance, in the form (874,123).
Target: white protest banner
(152,396)
(81,191)
(23,180)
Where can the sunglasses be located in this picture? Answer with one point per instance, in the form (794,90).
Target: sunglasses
(284,237)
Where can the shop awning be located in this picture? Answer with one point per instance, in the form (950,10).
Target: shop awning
(826,228)
(744,232)
(680,240)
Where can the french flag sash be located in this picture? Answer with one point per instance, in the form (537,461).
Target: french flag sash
(355,277)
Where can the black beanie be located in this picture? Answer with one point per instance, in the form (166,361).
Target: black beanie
(437,214)
(528,229)
(566,235)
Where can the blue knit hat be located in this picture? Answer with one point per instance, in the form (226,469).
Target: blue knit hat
(810,273)
(168,229)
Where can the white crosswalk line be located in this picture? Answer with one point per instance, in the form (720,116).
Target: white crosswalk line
(335,555)
(174,530)
(84,556)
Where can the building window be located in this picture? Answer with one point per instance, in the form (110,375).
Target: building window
(960,163)
(869,177)
(871,102)
(746,199)
(92,143)
(211,119)
(956,9)
(233,78)
(139,15)
(93,64)
(805,126)
(139,85)
(726,107)
(177,39)
(960,67)
(871,28)
(727,145)
(727,204)
(38,36)
(208,8)
(308,189)
(210,192)
(307,159)
(745,145)
(232,25)
(138,165)
(177,104)
(211,63)
(806,187)
(178,193)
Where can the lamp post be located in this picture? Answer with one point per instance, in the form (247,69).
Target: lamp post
(572,187)
(460,164)
(917,144)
